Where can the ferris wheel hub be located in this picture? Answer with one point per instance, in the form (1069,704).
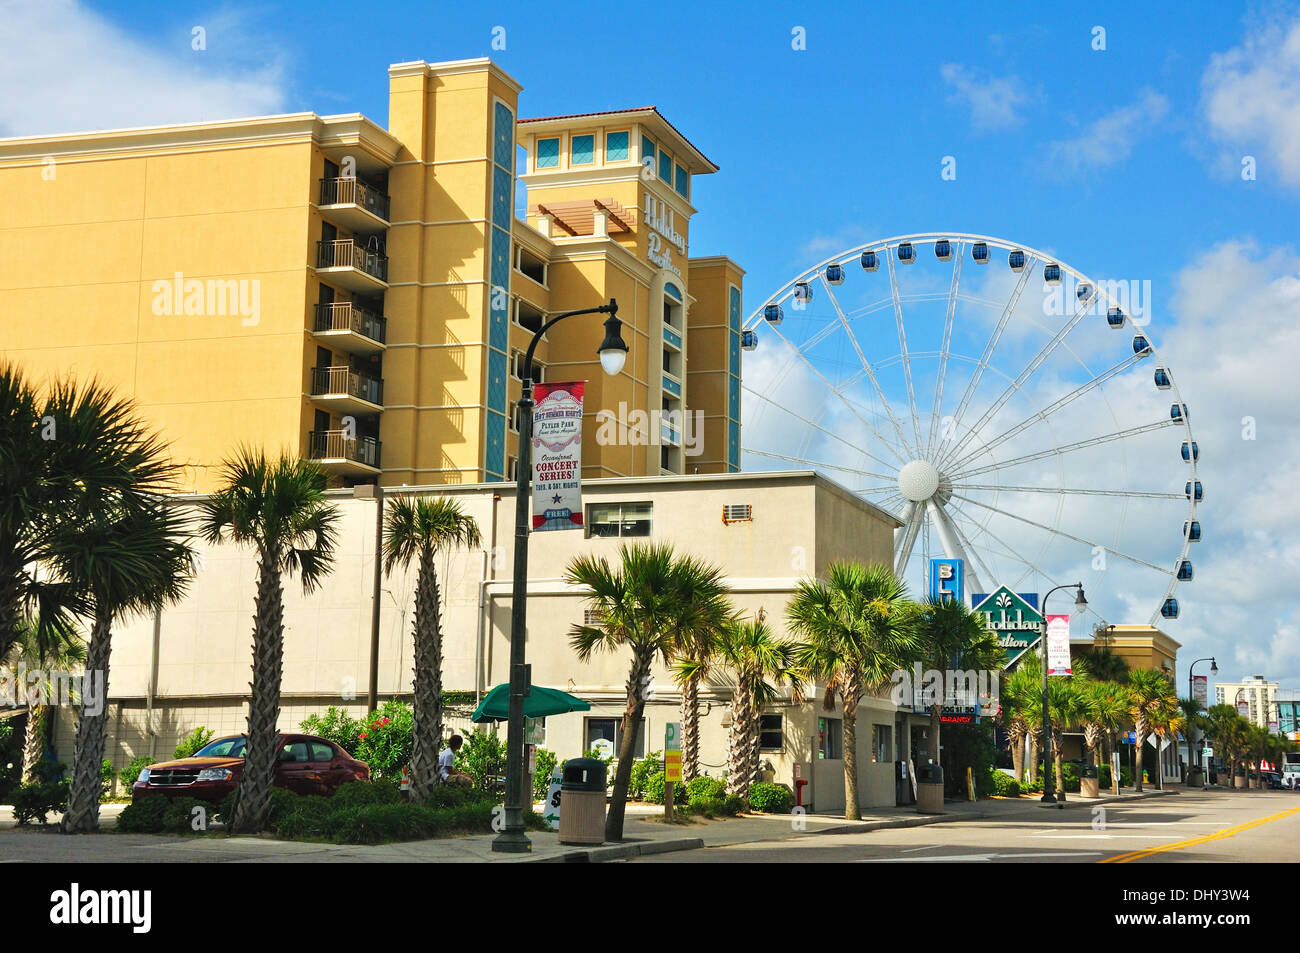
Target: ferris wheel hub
(918,481)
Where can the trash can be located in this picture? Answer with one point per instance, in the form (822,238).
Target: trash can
(582,802)
(1089,785)
(1195,777)
(929,789)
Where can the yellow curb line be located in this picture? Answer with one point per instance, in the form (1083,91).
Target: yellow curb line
(1220,835)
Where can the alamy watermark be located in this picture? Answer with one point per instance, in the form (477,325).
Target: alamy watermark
(640,428)
(1132,296)
(212,297)
(21,686)
(978,689)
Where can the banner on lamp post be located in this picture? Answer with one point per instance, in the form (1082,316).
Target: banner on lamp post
(557,456)
(1058,645)
(1200,689)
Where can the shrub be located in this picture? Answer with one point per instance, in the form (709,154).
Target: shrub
(642,771)
(654,790)
(364,794)
(732,805)
(1005,786)
(707,806)
(704,786)
(1070,772)
(309,818)
(546,762)
(388,822)
(483,758)
(335,725)
(1125,777)
(771,798)
(105,778)
(450,795)
(180,817)
(192,742)
(128,775)
(144,816)
(33,801)
(385,740)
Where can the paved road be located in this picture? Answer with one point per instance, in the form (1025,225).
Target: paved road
(1216,826)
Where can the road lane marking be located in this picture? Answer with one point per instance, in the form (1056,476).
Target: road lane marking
(1196,841)
(913,850)
(948,858)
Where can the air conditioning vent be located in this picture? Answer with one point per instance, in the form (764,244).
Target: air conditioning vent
(737,513)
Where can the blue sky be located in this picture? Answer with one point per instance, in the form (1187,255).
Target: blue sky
(1126,162)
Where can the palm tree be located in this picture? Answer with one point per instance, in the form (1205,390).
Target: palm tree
(63,655)
(639,606)
(1191,712)
(1022,703)
(278,508)
(1068,708)
(66,456)
(950,635)
(134,560)
(1151,703)
(699,627)
(415,530)
(761,664)
(858,630)
(1101,665)
(1105,714)
(1227,730)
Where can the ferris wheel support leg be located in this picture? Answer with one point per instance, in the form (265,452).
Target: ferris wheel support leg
(948,537)
(906,517)
(903,550)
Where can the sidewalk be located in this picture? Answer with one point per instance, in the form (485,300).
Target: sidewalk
(644,833)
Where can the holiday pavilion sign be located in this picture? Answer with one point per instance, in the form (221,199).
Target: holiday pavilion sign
(1013,617)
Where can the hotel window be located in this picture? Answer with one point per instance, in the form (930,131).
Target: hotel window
(617,146)
(528,316)
(647,151)
(882,743)
(608,520)
(830,739)
(607,733)
(665,167)
(512,468)
(514,418)
(682,182)
(548,153)
(517,367)
(771,732)
(582,149)
(530,265)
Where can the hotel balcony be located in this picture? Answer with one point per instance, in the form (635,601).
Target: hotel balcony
(344,390)
(353,204)
(345,326)
(358,456)
(350,265)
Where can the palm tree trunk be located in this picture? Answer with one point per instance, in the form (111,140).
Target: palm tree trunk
(690,730)
(1114,767)
(38,720)
(852,811)
(427,703)
(739,775)
(1058,760)
(1016,740)
(636,682)
(88,749)
(1033,756)
(1140,736)
(253,801)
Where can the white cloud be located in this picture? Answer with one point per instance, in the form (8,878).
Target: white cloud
(1251,98)
(68,69)
(1110,139)
(994,101)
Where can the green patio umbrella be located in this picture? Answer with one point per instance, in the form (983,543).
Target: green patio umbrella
(539,703)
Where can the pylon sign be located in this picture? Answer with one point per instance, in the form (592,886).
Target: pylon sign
(1013,617)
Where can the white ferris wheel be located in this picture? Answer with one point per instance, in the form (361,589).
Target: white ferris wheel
(1011,411)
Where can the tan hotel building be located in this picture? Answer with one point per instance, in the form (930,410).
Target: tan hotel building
(362,296)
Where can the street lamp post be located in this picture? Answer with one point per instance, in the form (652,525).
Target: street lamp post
(613,352)
(1191,693)
(1080,603)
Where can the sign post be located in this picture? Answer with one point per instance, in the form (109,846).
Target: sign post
(672,764)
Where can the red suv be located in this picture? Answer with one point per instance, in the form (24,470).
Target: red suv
(304,764)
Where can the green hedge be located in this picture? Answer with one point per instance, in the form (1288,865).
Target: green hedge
(704,786)
(1005,786)
(654,790)
(770,798)
(32,802)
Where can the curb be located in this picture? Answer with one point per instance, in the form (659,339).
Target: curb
(599,855)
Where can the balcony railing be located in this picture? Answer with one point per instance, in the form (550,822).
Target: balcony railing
(346,191)
(345,316)
(346,253)
(335,445)
(343,380)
